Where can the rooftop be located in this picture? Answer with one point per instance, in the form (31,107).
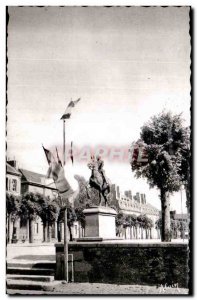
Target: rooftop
(32,176)
(36,178)
(12,170)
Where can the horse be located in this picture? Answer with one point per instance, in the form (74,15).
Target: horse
(99,181)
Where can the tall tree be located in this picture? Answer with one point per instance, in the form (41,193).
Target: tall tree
(13,209)
(80,216)
(83,198)
(71,218)
(48,211)
(29,210)
(163,139)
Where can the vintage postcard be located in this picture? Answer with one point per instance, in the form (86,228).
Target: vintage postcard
(98,161)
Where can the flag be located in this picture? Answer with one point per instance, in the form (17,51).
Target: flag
(59,160)
(48,154)
(68,110)
(63,185)
(53,166)
(56,171)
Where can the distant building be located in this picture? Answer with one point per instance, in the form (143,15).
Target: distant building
(13,186)
(183,220)
(136,205)
(20,181)
(13,179)
(37,183)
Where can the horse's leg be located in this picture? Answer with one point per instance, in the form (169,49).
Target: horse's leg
(100,198)
(104,196)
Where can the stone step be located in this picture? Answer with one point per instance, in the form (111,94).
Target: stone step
(31,277)
(29,285)
(30,271)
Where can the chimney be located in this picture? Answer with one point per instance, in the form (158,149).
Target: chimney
(113,191)
(118,192)
(13,163)
(138,197)
(130,194)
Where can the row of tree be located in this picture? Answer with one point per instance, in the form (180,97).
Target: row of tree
(32,205)
(132,221)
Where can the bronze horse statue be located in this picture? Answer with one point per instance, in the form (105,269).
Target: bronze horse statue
(98,179)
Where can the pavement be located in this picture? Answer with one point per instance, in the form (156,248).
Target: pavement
(30,252)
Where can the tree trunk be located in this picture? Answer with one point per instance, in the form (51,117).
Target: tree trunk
(58,231)
(165,209)
(44,232)
(48,232)
(31,231)
(9,228)
(142,233)
(151,233)
(136,232)
(70,231)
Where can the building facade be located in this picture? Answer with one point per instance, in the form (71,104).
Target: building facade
(13,186)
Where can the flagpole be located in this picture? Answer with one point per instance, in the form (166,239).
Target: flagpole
(64,143)
(65,211)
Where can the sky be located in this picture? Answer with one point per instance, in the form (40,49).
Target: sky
(126,64)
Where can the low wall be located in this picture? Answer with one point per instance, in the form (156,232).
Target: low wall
(127,263)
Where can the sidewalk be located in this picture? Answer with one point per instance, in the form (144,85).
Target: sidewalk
(30,252)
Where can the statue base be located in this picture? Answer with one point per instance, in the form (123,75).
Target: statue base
(99,223)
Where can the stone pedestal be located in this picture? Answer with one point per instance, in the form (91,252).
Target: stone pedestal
(99,223)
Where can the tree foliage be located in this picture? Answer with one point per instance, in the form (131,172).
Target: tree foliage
(30,207)
(47,209)
(80,216)
(165,141)
(13,205)
(83,198)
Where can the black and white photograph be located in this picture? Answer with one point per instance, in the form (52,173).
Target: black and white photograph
(98,150)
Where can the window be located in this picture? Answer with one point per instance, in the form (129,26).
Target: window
(14,185)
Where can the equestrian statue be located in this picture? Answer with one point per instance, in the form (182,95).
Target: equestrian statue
(98,179)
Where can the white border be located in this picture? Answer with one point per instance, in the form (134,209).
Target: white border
(3,4)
